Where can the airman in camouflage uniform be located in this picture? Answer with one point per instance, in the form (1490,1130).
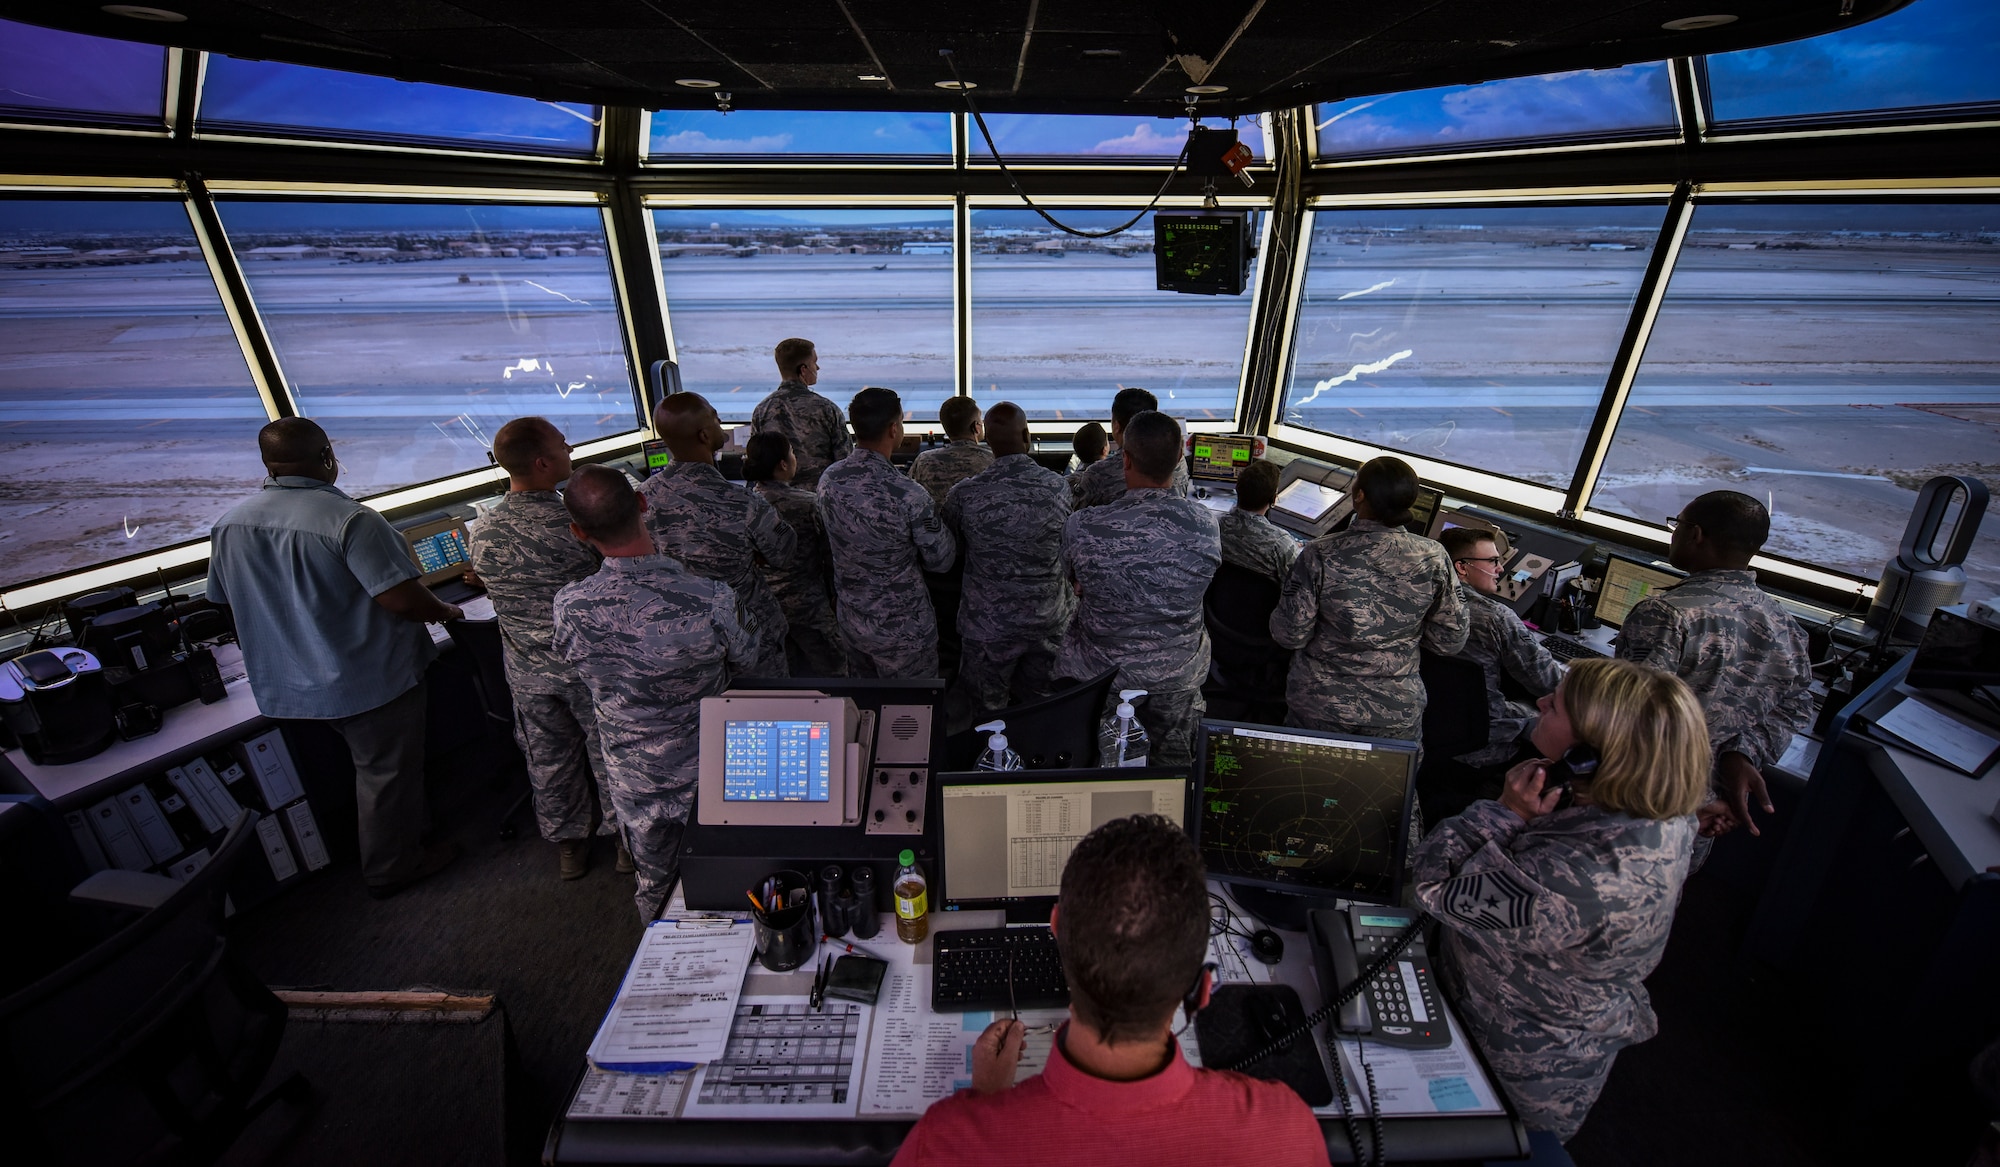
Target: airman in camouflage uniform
(1549,929)
(650,639)
(1104,480)
(1357,605)
(805,589)
(717,529)
(814,424)
(1496,640)
(1256,543)
(1017,602)
(942,467)
(523,552)
(884,533)
(1141,565)
(1740,652)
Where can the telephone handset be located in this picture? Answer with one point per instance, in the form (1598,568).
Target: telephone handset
(1400,1005)
(1578,764)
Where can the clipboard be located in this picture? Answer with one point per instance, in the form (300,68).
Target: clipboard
(678,1000)
(1984,740)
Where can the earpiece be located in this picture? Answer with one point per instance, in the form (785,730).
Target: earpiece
(1192,1003)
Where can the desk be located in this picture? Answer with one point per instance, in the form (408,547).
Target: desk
(647,1132)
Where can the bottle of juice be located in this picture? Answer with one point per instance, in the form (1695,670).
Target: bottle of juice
(912,904)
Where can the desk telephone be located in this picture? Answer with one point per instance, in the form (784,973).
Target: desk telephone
(1400,1005)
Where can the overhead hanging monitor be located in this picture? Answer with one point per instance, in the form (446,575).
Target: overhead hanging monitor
(1205,253)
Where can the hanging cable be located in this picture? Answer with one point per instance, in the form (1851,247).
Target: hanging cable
(965,91)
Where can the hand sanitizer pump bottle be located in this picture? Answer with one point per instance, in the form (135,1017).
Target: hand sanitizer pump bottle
(1122,741)
(997,755)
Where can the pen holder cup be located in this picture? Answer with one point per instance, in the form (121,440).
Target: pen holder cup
(786,937)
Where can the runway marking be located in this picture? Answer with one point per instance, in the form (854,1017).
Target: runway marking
(1814,473)
(151,424)
(738,389)
(1782,409)
(1355,412)
(1644,410)
(1059,415)
(605,418)
(1500,411)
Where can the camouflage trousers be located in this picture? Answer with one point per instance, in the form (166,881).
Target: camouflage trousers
(997,675)
(557,733)
(653,799)
(911,658)
(812,645)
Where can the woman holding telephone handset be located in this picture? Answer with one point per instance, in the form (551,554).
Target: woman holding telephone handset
(1556,900)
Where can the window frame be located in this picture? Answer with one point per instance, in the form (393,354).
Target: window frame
(170,91)
(1846,123)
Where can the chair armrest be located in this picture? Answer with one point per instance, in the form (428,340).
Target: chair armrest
(136,890)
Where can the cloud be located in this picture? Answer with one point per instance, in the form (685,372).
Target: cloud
(1143,139)
(697,142)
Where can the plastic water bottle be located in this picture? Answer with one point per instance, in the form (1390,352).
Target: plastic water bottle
(997,755)
(912,901)
(1122,741)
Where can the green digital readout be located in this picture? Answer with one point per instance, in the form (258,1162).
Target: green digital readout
(1381,921)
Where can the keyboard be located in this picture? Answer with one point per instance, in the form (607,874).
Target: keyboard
(970,971)
(1566,650)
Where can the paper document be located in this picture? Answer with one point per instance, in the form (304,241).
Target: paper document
(479,607)
(602,1094)
(1941,735)
(785,1059)
(679,997)
(1801,756)
(917,1057)
(1415,1081)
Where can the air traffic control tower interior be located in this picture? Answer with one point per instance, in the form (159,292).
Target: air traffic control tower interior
(1574,266)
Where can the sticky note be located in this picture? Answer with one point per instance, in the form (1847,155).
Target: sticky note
(1449,1094)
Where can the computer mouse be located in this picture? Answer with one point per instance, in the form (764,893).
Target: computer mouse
(1267,946)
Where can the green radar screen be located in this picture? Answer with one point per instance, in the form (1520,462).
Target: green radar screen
(1205,254)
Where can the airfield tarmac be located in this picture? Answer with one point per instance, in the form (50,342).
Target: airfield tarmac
(127,417)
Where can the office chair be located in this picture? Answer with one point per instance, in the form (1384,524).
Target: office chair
(1059,732)
(1246,668)
(149,1047)
(1456,721)
(480,639)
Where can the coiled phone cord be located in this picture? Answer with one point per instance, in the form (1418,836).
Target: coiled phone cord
(1325,1012)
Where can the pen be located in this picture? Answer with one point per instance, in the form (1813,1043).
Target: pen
(855,949)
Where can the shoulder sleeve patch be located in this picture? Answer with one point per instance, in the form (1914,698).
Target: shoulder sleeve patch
(1490,901)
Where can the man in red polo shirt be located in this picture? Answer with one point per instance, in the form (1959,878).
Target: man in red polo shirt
(1133,928)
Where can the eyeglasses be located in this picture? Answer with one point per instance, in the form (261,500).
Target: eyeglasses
(1493,561)
(1673,522)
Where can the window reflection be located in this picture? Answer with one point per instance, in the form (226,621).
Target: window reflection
(413,332)
(266,97)
(1481,336)
(1061,324)
(1828,360)
(872,288)
(46,75)
(128,418)
(1584,105)
(1933,55)
(753,132)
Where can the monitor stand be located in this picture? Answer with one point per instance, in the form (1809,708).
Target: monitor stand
(1282,910)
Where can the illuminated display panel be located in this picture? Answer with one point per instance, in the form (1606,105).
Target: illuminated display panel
(412,332)
(128,418)
(872,288)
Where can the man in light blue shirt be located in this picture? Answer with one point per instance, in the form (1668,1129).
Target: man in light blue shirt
(331,616)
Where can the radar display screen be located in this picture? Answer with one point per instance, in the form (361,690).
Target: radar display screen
(1206,253)
(1304,811)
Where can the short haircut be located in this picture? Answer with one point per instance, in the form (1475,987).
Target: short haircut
(1734,522)
(1090,442)
(1153,444)
(1391,487)
(792,352)
(1649,733)
(763,454)
(1257,485)
(873,411)
(1133,925)
(1130,403)
(521,441)
(1459,541)
(957,415)
(602,503)
(291,441)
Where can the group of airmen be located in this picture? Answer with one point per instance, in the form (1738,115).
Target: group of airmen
(621,605)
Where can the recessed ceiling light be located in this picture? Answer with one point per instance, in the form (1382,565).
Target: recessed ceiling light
(871,77)
(698,83)
(1104,52)
(139,12)
(956,84)
(1206,90)
(1693,23)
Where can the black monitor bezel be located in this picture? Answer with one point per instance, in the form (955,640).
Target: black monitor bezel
(1635,561)
(1401,843)
(1035,909)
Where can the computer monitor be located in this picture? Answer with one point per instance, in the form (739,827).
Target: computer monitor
(656,455)
(1423,510)
(1316,815)
(1627,581)
(781,760)
(439,550)
(1221,457)
(1007,834)
(1308,501)
(1446,519)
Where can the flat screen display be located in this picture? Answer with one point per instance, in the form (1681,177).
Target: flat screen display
(776,761)
(444,549)
(1220,458)
(1308,500)
(1625,584)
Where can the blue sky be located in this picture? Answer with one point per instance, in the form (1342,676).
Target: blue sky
(1098,136)
(699,219)
(1935,52)
(265,93)
(777,131)
(43,69)
(1635,98)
